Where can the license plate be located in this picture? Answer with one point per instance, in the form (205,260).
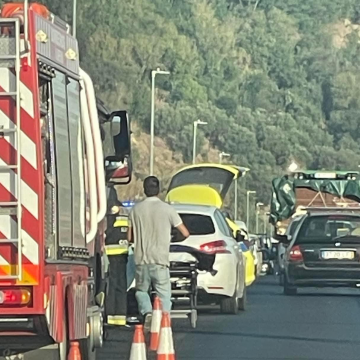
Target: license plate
(341,255)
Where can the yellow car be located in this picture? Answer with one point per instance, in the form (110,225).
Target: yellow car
(250,275)
(250,264)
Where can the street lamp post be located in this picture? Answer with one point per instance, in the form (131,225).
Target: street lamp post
(196,124)
(74,19)
(257,215)
(236,200)
(153,75)
(266,214)
(248,206)
(245,170)
(222,155)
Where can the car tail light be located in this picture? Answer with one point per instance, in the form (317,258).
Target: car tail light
(14,297)
(295,254)
(215,247)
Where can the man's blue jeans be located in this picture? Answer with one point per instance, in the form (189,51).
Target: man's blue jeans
(159,277)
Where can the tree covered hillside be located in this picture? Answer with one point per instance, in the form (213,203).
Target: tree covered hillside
(276,80)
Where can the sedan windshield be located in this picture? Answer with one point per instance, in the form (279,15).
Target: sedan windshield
(329,228)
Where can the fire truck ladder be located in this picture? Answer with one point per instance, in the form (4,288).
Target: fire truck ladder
(10,59)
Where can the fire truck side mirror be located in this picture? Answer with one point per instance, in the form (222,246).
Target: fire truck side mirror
(117,151)
(120,132)
(118,172)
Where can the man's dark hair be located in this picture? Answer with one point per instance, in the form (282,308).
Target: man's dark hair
(151,186)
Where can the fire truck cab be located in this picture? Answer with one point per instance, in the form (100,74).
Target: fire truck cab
(54,165)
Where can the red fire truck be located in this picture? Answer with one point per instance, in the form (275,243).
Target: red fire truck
(53,173)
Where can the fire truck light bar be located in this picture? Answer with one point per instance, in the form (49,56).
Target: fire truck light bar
(128,203)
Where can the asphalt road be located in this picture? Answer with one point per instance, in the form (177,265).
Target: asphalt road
(314,325)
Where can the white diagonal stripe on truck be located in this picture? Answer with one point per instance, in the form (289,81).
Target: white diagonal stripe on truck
(29,197)
(30,248)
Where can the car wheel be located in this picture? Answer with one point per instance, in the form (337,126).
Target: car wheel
(243,300)
(288,289)
(87,353)
(229,305)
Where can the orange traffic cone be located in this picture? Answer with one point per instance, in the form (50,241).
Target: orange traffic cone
(74,352)
(155,325)
(166,345)
(138,349)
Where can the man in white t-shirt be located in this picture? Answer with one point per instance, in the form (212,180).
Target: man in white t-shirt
(150,224)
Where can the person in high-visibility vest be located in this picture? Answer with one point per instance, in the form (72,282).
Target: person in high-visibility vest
(116,246)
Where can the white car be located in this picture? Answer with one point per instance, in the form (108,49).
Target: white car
(210,233)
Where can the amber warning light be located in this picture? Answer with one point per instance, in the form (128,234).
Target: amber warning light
(14,297)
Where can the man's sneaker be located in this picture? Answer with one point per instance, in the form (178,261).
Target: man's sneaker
(147,322)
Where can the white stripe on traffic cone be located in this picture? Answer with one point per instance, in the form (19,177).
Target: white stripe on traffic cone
(138,349)
(155,325)
(166,345)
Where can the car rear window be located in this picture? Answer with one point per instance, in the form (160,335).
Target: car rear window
(293,226)
(329,228)
(198,224)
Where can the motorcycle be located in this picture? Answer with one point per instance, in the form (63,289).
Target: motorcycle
(269,257)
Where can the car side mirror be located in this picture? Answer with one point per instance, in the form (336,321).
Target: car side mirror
(118,171)
(117,148)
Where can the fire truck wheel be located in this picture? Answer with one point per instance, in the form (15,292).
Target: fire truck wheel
(64,345)
(87,351)
(97,330)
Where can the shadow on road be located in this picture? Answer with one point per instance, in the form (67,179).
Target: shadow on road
(319,293)
(265,292)
(270,286)
(272,337)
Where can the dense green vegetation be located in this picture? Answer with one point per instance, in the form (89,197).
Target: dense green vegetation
(276,80)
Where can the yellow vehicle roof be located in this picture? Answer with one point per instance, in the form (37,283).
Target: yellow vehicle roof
(203,184)
(238,171)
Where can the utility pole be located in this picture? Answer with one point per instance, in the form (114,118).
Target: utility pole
(257,215)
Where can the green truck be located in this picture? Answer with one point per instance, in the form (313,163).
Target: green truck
(294,192)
